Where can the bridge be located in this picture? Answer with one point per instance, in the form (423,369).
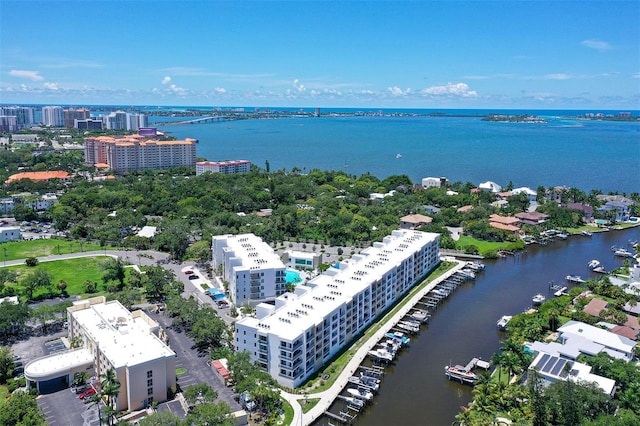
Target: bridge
(211,119)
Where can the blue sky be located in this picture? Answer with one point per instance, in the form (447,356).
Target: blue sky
(412,54)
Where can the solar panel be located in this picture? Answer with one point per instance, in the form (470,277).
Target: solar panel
(542,361)
(549,365)
(559,366)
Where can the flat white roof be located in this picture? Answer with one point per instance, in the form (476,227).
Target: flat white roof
(124,339)
(598,335)
(328,291)
(255,253)
(56,365)
(147,231)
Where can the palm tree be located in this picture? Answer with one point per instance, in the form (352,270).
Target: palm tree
(109,387)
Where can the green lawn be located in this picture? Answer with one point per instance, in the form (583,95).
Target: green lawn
(73,271)
(487,246)
(38,248)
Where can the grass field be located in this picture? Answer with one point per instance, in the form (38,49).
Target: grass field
(37,248)
(487,246)
(73,271)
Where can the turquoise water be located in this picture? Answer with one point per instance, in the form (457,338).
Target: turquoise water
(292,277)
(584,154)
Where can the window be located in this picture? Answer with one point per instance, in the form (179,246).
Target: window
(150,391)
(149,382)
(149,401)
(149,374)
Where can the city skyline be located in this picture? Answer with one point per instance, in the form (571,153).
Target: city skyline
(544,55)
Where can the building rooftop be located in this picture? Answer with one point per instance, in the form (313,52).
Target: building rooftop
(255,253)
(126,338)
(53,174)
(312,303)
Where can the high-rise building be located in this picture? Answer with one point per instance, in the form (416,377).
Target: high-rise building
(254,272)
(137,121)
(88,124)
(70,115)
(297,335)
(24,115)
(224,167)
(53,116)
(117,120)
(8,123)
(136,152)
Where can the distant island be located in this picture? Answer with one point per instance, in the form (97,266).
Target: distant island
(522,118)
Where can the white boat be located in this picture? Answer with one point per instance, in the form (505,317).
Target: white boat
(502,322)
(562,236)
(587,233)
(398,155)
(399,337)
(575,279)
(459,372)
(420,315)
(538,299)
(594,264)
(367,382)
(381,354)
(476,266)
(623,253)
(354,401)
(360,393)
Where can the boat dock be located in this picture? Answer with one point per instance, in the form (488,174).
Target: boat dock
(479,363)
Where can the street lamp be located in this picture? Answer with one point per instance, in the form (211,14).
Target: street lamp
(5,255)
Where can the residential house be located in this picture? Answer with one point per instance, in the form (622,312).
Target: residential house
(431,209)
(489,186)
(586,210)
(590,337)
(621,209)
(531,194)
(414,221)
(532,218)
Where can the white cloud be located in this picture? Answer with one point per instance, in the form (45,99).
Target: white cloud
(51,86)
(220,90)
(396,91)
(177,90)
(558,76)
(455,89)
(166,80)
(298,85)
(596,44)
(31,75)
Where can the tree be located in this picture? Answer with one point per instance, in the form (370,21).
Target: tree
(207,414)
(36,280)
(7,364)
(13,318)
(31,261)
(160,283)
(200,393)
(110,388)
(62,287)
(114,271)
(80,378)
(21,409)
(44,313)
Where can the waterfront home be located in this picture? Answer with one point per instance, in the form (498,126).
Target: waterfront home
(531,194)
(589,337)
(465,209)
(489,186)
(586,210)
(553,368)
(557,193)
(621,209)
(628,332)
(503,195)
(414,221)
(532,218)
(595,306)
(431,209)
(500,204)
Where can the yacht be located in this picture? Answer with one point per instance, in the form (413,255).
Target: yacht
(538,299)
(502,322)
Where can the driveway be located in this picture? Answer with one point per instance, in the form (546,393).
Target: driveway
(195,364)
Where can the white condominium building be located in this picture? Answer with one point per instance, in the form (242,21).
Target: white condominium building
(135,152)
(295,337)
(53,116)
(254,272)
(224,167)
(128,343)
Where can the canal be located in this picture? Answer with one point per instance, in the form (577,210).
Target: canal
(415,391)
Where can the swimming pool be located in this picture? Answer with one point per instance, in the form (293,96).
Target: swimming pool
(292,277)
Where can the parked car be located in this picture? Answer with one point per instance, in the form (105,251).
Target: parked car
(193,277)
(88,393)
(188,272)
(222,304)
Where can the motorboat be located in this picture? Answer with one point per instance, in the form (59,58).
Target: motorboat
(358,403)
(622,253)
(360,393)
(538,299)
(587,233)
(381,354)
(420,315)
(503,321)
(575,279)
(399,337)
(594,264)
(367,382)
(458,372)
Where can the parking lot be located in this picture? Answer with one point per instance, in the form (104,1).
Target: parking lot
(64,408)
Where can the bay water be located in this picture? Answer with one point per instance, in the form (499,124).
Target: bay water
(586,154)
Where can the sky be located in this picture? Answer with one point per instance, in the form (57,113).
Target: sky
(378,54)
